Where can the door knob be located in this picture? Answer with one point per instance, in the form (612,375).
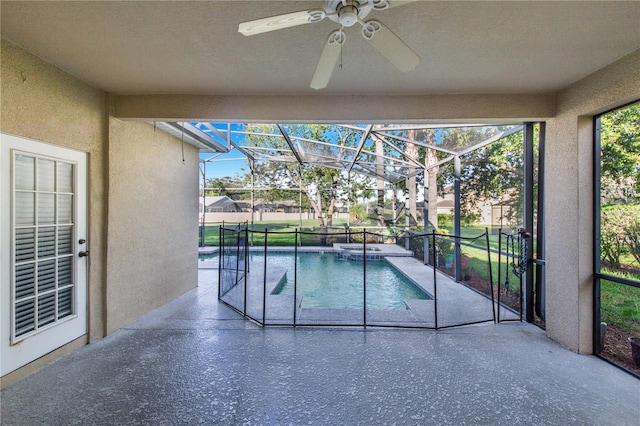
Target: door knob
(83,254)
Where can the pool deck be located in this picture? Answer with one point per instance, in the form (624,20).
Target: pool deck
(196,361)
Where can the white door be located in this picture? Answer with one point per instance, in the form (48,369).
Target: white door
(43,233)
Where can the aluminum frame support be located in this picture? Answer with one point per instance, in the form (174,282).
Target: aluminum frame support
(457,173)
(528,218)
(286,137)
(540,228)
(363,140)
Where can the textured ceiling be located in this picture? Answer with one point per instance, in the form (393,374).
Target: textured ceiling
(193,47)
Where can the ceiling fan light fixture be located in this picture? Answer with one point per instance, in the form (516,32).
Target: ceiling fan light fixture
(348,15)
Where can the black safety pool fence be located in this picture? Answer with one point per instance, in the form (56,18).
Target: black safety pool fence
(365,279)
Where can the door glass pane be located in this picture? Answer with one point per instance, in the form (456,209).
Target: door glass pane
(46,275)
(24,204)
(64,271)
(25,280)
(65,208)
(24,244)
(24,172)
(46,309)
(65,177)
(46,175)
(25,315)
(65,245)
(65,302)
(46,242)
(46,208)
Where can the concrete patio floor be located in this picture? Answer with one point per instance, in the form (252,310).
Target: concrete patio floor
(195,361)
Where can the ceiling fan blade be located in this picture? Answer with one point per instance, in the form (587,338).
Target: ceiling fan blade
(390,45)
(386,4)
(328,59)
(279,22)
(396,3)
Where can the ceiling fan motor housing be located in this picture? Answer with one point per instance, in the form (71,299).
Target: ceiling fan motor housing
(347,12)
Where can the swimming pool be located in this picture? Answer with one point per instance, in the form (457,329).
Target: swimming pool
(327,281)
(207,257)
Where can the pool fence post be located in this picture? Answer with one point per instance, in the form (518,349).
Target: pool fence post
(237,255)
(246,245)
(295,279)
(220,263)
(264,281)
(425,216)
(245,258)
(364,276)
(520,242)
(204,201)
(493,302)
(500,268)
(253,204)
(435,281)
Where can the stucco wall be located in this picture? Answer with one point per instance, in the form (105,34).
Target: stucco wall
(153,229)
(569,198)
(39,101)
(133,171)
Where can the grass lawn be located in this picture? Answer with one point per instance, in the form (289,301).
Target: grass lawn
(282,233)
(620,304)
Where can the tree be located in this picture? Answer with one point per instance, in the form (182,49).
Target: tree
(620,155)
(411,151)
(495,171)
(320,185)
(233,188)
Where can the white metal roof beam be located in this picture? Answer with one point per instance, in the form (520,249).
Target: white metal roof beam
(492,139)
(288,140)
(413,160)
(426,145)
(228,139)
(366,134)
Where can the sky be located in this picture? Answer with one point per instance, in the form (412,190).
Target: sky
(231,164)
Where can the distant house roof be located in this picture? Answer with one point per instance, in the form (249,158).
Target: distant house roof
(445,204)
(261,202)
(217,200)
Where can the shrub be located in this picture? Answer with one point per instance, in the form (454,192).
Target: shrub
(358,212)
(632,238)
(616,224)
(611,246)
(445,220)
(469,219)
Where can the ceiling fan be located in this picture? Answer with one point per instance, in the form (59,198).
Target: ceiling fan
(346,13)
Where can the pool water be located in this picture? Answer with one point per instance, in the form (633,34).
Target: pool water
(205,257)
(326,281)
